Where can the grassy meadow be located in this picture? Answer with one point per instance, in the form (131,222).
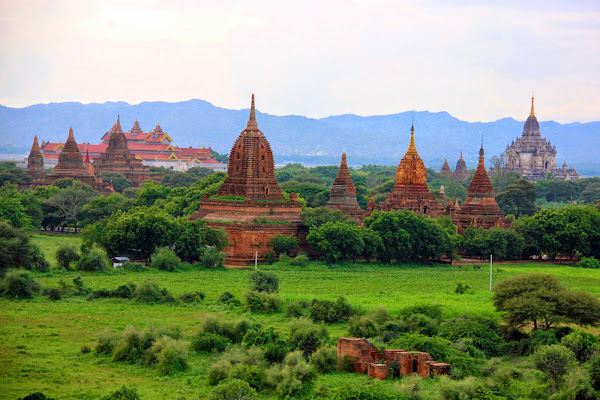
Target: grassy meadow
(40,339)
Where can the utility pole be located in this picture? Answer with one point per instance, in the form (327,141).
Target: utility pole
(490,272)
(256,260)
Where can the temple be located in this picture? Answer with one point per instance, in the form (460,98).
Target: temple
(250,205)
(118,158)
(342,195)
(480,207)
(445,171)
(460,172)
(35,162)
(534,157)
(410,191)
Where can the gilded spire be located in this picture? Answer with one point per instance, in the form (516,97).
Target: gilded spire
(252,124)
(532,114)
(412,149)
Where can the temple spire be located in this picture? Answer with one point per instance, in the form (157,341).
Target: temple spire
(87,153)
(71,137)
(532,114)
(252,120)
(412,149)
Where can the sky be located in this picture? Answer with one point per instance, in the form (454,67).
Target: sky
(478,60)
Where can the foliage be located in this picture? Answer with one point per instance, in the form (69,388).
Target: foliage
(503,244)
(293,377)
(337,241)
(92,260)
(482,331)
(297,309)
(555,360)
(263,281)
(541,300)
(321,215)
(270,257)
(123,393)
(234,331)
(584,345)
(589,262)
(212,257)
(301,260)
(18,285)
(192,297)
(306,336)
(359,391)
(12,209)
(65,255)
(17,251)
(440,349)
(164,259)
(275,348)
(104,206)
(329,311)
(518,198)
(233,389)
(461,289)
(284,244)
(185,179)
(324,359)
(36,395)
(148,292)
(262,302)
(68,204)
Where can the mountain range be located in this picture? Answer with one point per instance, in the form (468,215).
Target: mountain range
(379,139)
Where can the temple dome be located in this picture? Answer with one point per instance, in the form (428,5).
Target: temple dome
(532,127)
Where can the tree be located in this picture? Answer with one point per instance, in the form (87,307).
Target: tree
(261,281)
(284,244)
(12,209)
(555,360)
(10,173)
(503,244)
(119,181)
(337,241)
(518,198)
(539,299)
(104,206)
(69,204)
(591,193)
(320,215)
(17,251)
(500,176)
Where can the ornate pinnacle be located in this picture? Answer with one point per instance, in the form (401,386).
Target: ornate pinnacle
(252,120)
(532,114)
(412,149)
(71,137)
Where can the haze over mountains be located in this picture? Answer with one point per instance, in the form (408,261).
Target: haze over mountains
(366,140)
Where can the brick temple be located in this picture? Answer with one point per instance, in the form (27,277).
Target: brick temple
(480,207)
(410,191)
(118,158)
(445,171)
(35,162)
(461,172)
(250,205)
(368,360)
(342,195)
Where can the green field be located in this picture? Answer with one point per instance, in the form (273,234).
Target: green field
(40,339)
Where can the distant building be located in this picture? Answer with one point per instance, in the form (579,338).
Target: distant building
(533,156)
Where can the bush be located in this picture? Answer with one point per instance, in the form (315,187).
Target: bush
(80,288)
(270,257)
(588,262)
(93,260)
(65,255)
(192,297)
(362,327)
(123,393)
(346,363)
(226,297)
(555,360)
(148,292)
(262,302)
(212,258)
(246,365)
(328,311)
(37,396)
(301,260)
(584,345)
(234,331)
(233,389)
(465,389)
(261,281)
(275,348)
(440,349)
(168,354)
(38,262)
(482,331)
(54,294)
(133,266)
(164,259)
(284,244)
(125,291)
(106,343)
(324,359)
(18,285)
(360,391)
(306,336)
(461,289)
(293,377)
(85,349)
(433,311)
(209,342)
(297,309)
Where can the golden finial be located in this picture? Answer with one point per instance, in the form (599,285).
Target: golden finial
(412,149)
(532,114)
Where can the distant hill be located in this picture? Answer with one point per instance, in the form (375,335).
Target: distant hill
(367,140)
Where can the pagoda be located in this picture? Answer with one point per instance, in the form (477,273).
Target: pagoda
(460,172)
(70,164)
(445,171)
(410,191)
(342,195)
(533,156)
(35,162)
(118,158)
(480,207)
(250,205)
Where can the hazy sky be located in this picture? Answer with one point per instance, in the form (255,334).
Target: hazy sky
(478,60)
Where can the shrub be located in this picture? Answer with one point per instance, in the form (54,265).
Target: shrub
(297,309)
(306,336)
(18,285)
(433,311)
(346,363)
(263,302)
(595,371)
(324,359)
(148,292)
(125,291)
(93,260)
(164,259)
(461,289)
(284,244)
(54,294)
(301,260)
(261,281)
(123,393)
(588,262)
(275,348)
(584,345)
(226,297)
(209,342)
(37,396)
(233,389)
(192,297)
(270,257)
(440,349)
(38,262)
(360,391)
(465,389)
(106,343)
(482,331)
(362,327)
(80,288)
(212,258)
(328,311)
(169,355)
(85,349)
(65,255)
(555,360)
(133,266)
(421,323)
(234,331)
(293,377)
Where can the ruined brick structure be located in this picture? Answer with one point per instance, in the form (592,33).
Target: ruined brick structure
(368,360)
(342,195)
(480,207)
(264,212)
(371,205)
(445,171)
(534,156)
(118,158)
(35,162)
(410,191)
(460,172)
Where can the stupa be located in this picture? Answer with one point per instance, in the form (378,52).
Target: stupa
(342,195)
(480,207)
(446,171)
(250,205)
(118,158)
(35,162)
(461,172)
(70,164)
(410,191)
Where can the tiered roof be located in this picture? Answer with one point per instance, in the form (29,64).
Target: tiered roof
(343,191)
(70,163)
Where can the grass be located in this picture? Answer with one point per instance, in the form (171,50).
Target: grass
(40,340)
(49,242)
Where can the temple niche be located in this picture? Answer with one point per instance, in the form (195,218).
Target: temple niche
(118,158)
(480,207)
(410,191)
(250,205)
(533,156)
(342,195)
